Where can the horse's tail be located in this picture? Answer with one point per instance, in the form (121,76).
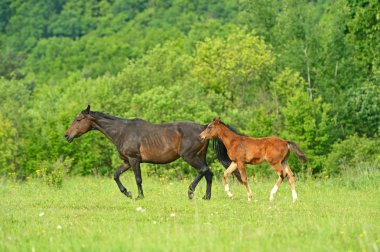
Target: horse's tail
(300,155)
(221,154)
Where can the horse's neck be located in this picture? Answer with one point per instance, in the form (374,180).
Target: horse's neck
(227,136)
(107,126)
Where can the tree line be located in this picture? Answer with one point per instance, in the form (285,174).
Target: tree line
(307,71)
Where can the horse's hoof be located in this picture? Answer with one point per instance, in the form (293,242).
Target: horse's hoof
(140,197)
(128,194)
(207,197)
(190,194)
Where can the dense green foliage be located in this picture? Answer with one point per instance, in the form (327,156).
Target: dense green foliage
(304,70)
(89,214)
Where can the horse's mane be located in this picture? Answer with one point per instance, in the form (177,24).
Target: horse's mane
(106,116)
(111,117)
(221,151)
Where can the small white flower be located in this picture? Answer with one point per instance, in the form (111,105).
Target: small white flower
(140,209)
(154,222)
(59,227)
(172,215)
(42,214)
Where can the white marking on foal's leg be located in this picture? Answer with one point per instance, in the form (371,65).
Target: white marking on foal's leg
(273,192)
(227,172)
(249,192)
(227,189)
(294,195)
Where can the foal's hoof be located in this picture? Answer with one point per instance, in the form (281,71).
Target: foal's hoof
(271,198)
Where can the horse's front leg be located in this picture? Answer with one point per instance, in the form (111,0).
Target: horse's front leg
(137,171)
(124,167)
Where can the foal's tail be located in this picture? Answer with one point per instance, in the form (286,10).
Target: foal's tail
(300,155)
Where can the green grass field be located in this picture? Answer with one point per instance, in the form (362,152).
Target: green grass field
(90,214)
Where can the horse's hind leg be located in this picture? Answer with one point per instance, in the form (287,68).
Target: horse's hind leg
(292,180)
(137,171)
(194,184)
(203,170)
(124,167)
(281,175)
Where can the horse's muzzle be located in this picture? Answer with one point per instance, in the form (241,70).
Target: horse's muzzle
(202,138)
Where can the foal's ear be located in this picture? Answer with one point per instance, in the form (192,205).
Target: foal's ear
(217,119)
(87,110)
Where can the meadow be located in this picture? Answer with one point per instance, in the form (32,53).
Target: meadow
(90,214)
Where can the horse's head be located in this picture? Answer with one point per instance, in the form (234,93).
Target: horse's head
(211,130)
(80,125)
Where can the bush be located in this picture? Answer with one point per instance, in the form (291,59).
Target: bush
(54,173)
(353,155)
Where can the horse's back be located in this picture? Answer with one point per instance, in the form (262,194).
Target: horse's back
(163,143)
(191,144)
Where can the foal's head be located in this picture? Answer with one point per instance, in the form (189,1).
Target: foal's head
(212,129)
(80,125)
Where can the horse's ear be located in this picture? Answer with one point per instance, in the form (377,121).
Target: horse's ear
(87,111)
(217,119)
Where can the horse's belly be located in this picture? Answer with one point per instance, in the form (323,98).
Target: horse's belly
(158,156)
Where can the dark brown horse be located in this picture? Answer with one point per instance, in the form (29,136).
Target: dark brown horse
(243,150)
(139,141)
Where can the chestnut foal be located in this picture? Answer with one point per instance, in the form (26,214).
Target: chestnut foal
(243,150)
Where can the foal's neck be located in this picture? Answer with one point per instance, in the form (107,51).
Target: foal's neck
(226,135)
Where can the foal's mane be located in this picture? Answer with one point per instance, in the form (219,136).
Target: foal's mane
(232,129)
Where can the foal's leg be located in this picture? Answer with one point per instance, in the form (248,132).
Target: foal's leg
(227,172)
(281,175)
(244,180)
(124,167)
(292,181)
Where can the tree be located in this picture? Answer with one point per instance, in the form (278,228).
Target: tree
(301,119)
(364,109)
(8,147)
(231,65)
